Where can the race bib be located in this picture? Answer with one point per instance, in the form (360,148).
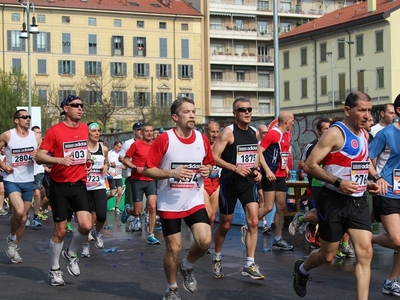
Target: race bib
(359,174)
(21,156)
(246,155)
(192,183)
(94,178)
(79,150)
(284,160)
(396,182)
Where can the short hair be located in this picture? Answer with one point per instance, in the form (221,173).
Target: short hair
(35,127)
(240,99)
(210,122)
(146,124)
(396,104)
(16,114)
(352,99)
(117,142)
(323,120)
(176,105)
(384,107)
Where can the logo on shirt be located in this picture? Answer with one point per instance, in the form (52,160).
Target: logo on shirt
(354,144)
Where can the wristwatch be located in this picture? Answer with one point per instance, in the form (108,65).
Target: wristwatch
(337,182)
(376,177)
(134,168)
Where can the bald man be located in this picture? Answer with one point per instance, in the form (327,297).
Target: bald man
(273,152)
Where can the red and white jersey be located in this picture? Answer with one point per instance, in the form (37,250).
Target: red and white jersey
(169,152)
(350,162)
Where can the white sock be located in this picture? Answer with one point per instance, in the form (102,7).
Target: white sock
(302,270)
(217,256)
(264,222)
(249,261)
(12,237)
(77,241)
(55,251)
(186,264)
(172,286)
(278,237)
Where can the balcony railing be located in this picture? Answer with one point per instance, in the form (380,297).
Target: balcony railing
(228,57)
(242,84)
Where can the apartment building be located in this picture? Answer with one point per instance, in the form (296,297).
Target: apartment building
(121,56)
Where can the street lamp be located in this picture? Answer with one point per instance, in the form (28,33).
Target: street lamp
(332,73)
(25,34)
(377,81)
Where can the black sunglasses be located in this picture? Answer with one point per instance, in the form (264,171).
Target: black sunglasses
(244,109)
(25,117)
(76,105)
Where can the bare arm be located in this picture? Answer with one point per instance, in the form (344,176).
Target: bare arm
(181,173)
(4,139)
(260,153)
(43,158)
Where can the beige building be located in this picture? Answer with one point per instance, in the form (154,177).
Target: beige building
(120,56)
(353,48)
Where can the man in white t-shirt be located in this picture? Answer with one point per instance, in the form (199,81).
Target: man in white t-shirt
(115,172)
(387,115)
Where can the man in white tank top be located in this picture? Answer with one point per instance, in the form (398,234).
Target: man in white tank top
(21,146)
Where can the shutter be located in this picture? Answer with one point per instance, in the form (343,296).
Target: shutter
(135,49)
(135,69)
(48,43)
(179,71)
(124,69)
(147,95)
(60,67)
(157,70)
(169,70)
(87,97)
(144,46)
(169,99)
(98,68)
(191,71)
(23,43)
(112,69)
(112,45)
(125,98)
(147,70)
(122,45)
(9,40)
(35,42)
(86,68)
(191,96)
(135,96)
(158,104)
(60,96)
(73,67)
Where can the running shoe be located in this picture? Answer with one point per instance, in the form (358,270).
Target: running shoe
(36,223)
(281,245)
(152,240)
(299,280)
(117,211)
(243,231)
(295,224)
(11,248)
(73,267)
(55,277)
(217,268)
(42,216)
(69,227)
(348,251)
(266,229)
(189,282)
(391,287)
(253,271)
(16,259)
(312,235)
(3,212)
(339,254)
(90,237)
(98,240)
(85,250)
(135,225)
(28,222)
(125,214)
(172,294)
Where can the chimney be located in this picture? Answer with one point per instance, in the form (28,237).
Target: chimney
(371,6)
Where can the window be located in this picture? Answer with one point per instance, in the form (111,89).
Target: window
(381,77)
(42,42)
(42,93)
(141,99)
(15,17)
(141,70)
(41,19)
(263,5)
(285,27)
(42,66)
(216,76)
(140,24)
(324,86)
(285,6)
(286,90)
(264,108)
(163,99)
(303,58)
(163,47)
(92,21)
(92,68)
(240,76)
(14,43)
(118,69)
(163,70)
(189,95)
(93,44)
(359,45)
(139,46)
(64,93)
(185,48)
(239,24)
(16,65)
(66,67)
(185,71)
(286,59)
(379,41)
(341,53)
(65,19)
(119,99)
(217,101)
(66,43)
(304,88)
(360,81)
(93,97)
(322,49)
(117,45)
(262,27)
(117,23)
(215,23)
(163,25)
(184,27)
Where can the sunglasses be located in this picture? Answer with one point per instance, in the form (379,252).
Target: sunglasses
(25,117)
(244,109)
(76,105)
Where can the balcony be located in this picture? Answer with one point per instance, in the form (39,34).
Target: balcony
(267,86)
(220,57)
(231,32)
(231,6)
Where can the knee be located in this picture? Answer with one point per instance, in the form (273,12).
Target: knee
(252,223)
(204,244)
(224,226)
(151,206)
(329,257)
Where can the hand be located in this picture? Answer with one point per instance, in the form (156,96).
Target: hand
(242,171)
(139,170)
(113,165)
(270,175)
(182,173)
(348,186)
(67,160)
(34,152)
(8,169)
(257,176)
(374,188)
(204,171)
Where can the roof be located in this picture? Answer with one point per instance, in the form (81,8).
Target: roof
(170,7)
(343,17)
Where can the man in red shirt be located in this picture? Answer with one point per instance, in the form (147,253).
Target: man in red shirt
(135,158)
(180,159)
(65,147)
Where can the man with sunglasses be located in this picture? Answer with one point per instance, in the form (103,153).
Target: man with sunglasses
(65,147)
(235,151)
(21,146)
